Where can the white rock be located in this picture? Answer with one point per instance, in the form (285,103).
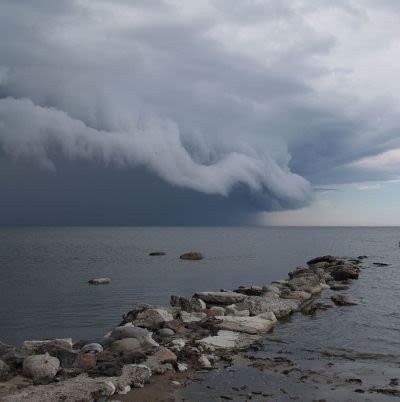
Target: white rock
(153,317)
(192,317)
(223,340)
(218,310)
(182,367)
(177,344)
(197,304)
(41,367)
(249,325)
(204,362)
(233,310)
(268,316)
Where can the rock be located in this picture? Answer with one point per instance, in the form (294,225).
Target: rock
(311,306)
(181,367)
(162,355)
(299,295)
(324,258)
(217,310)
(41,367)
(83,388)
(153,318)
(380,264)
(4,348)
(177,344)
(343,272)
(86,361)
(166,332)
(99,281)
(176,326)
(140,334)
(233,310)
(305,282)
(66,357)
(4,371)
(197,304)
(92,347)
(127,345)
(263,304)
(192,317)
(248,325)
(301,271)
(41,347)
(220,297)
(192,255)
(181,302)
(343,300)
(268,316)
(250,291)
(204,362)
(157,253)
(272,289)
(227,340)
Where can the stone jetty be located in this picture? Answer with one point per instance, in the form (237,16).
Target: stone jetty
(191,333)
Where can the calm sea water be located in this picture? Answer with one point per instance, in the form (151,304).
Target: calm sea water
(44,273)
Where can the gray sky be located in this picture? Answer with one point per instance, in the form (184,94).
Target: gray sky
(187,112)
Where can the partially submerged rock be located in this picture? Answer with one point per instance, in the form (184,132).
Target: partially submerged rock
(343,300)
(99,281)
(227,340)
(220,297)
(192,255)
(263,304)
(157,253)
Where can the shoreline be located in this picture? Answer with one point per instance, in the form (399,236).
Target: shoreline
(169,341)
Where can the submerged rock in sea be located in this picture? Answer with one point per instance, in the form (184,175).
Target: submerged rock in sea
(157,253)
(343,300)
(41,367)
(192,255)
(220,297)
(99,281)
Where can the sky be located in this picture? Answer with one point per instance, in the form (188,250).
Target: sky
(214,112)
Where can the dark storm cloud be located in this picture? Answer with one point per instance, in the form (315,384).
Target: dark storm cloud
(245,104)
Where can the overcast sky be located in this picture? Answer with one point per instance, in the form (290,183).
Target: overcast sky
(200,112)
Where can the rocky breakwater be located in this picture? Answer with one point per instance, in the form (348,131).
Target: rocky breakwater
(192,333)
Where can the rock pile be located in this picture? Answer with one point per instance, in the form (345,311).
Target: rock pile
(191,333)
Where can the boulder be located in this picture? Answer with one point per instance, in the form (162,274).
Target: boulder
(163,355)
(300,271)
(250,290)
(324,258)
(4,371)
(204,362)
(41,347)
(197,304)
(192,317)
(343,272)
(85,361)
(217,310)
(140,334)
(41,367)
(4,348)
(92,347)
(153,318)
(192,255)
(99,281)
(233,310)
(227,340)
(268,316)
(263,304)
(220,297)
(305,282)
(177,344)
(248,325)
(165,332)
(299,295)
(127,346)
(343,300)
(181,302)
(271,289)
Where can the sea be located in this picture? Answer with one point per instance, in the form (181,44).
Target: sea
(44,290)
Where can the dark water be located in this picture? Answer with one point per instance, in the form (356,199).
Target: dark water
(44,272)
